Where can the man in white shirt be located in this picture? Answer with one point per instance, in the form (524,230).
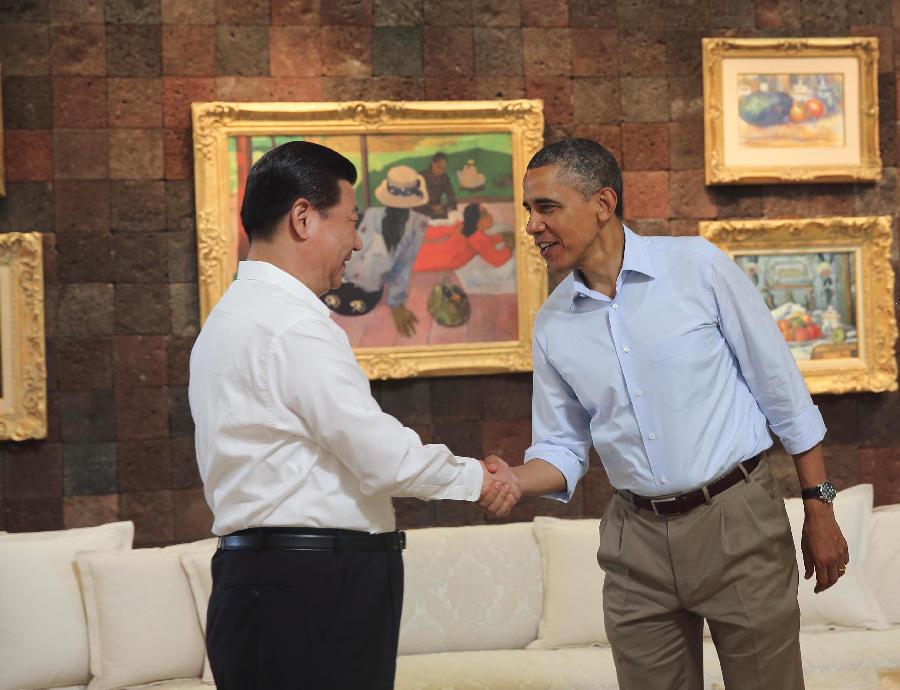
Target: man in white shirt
(298,461)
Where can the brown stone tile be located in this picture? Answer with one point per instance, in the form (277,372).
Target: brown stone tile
(295,12)
(644,99)
(77,11)
(397,13)
(489,88)
(178,154)
(89,469)
(181,422)
(295,51)
(182,257)
(138,205)
(869,12)
(244,88)
(144,465)
(140,361)
(85,363)
(452,399)
(597,100)
(397,51)
(188,12)
(346,51)
(250,12)
(684,227)
(136,154)
(842,465)
(738,202)
(463,438)
(506,397)
(496,13)
(139,258)
(881,197)
(649,227)
(498,51)
(85,309)
(27,103)
(179,354)
(32,469)
(87,416)
(531,506)
(185,472)
(25,49)
(684,54)
(785,202)
(686,100)
(188,50)
(609,136)
(78,49)
(637,14)
(450,89)
(85,258)
(153,515)
(598,492)
(594,53)
(412,513)
(81,206)
(831,200)
(507,438)
(89,511)
(34,514)
(346,13)
(142,309)
(457,514)
(134,50)
(449,54)
(80,154)
(29,155)
(407,400)
(642,54)
(547,52)
(686,144)
(184,308)
(881,468)
(442,13)
(689,195)
(885,36)
(180,209)
(25,12)
(242,50)
(646,194)
(141,413)
(357,88)
(646,146)
(878,415)
(135,103)
(193,518)
(79,102)
(556,92)
(550,13)
(130,12)
(590,13)
(300,89)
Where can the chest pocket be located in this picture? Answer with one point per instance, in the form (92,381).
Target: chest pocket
(683,365)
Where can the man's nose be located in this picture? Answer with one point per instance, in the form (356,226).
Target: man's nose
(533,224)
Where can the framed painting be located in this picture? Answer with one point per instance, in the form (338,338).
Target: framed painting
(2,169)
(791,110)
(447,281)
(23,372)
(830,287)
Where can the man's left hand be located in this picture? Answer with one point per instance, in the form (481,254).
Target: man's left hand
(824,547)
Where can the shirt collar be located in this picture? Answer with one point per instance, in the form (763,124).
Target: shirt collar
(635,259)
(265,272)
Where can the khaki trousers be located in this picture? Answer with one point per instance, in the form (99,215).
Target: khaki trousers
(731,562)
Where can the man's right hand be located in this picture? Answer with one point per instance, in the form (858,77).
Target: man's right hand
(500,489)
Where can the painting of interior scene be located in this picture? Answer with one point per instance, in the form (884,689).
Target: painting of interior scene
(436,220)
(781,110)
(812,297)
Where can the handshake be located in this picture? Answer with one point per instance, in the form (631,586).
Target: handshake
(501,488)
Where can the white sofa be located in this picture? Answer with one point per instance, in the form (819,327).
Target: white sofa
(506,607)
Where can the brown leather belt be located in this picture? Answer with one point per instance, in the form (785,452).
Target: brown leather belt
(310,539)
(682,503)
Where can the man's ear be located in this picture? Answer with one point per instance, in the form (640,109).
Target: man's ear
(606,201)
(299,218)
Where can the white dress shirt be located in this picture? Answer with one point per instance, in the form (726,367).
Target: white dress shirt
(674,381)
(287,430)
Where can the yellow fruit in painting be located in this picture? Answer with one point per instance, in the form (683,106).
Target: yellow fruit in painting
(798,114)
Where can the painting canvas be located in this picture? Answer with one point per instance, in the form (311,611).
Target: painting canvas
(446,281)
(829,286)
(791,110)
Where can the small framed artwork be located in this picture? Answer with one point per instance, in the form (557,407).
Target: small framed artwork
(830,287)
(447,282)
(23,373)
(791,110)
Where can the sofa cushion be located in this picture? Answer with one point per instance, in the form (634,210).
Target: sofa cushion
(141,616)
(584,668)
(43,633)
(573,584)
(850,603)
(197,564)
(470,588)
(882,566)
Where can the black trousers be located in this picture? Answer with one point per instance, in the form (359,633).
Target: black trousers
(304,620)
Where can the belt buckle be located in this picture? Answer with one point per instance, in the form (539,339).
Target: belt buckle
(654,501)
(402,536)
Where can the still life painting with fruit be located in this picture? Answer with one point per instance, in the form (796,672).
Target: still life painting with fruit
(812,297)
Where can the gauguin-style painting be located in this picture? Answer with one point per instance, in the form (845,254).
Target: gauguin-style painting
(436,212)
(812,297)
(792,110)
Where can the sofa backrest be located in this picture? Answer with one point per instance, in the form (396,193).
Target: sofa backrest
(471,588)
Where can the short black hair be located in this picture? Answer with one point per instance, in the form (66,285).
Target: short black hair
(438,157)
(286,173)
(587,166)
(471,216)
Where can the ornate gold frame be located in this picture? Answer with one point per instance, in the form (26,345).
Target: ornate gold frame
(214,122)
(870,238)
(864,49)
(2,169)
(23,407)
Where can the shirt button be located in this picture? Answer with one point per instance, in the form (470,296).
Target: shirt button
(664,480)
(626,349)
(652,437)
(639,392)
(615,306)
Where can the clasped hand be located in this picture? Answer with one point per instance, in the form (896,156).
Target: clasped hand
(500,490)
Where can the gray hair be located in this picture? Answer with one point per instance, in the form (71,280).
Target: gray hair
(586,165)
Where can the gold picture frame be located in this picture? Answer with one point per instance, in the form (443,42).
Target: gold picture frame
(2,168)
(791,110)
(23,386)
(830,286)
(223,129)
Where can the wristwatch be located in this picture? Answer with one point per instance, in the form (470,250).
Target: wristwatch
(824,492)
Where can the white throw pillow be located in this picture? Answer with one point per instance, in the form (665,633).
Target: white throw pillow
(141,616)
(882,565)
(850,603)
(573,584)
(43,633)
(198,568)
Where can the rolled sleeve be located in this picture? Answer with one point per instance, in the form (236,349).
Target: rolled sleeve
(801,432)
(562,459)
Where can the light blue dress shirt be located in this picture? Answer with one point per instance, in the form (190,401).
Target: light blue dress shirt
(674,381)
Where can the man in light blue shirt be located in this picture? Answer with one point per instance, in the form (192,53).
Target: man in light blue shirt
(660,352)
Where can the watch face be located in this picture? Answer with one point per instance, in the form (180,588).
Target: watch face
(828,491)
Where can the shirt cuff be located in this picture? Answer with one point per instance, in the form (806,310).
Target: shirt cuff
(562,459)
(802,432)
(473,479)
